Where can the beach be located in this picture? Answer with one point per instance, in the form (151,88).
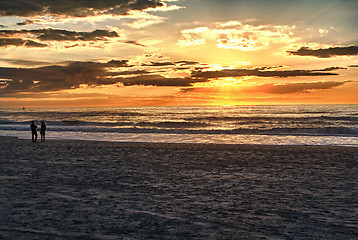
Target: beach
(63,189)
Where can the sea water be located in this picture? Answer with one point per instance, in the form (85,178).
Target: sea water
(276,125)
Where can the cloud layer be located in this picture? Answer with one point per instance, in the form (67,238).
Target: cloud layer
(32,8)
(295,87)
(74,74)
(40,37)
(4,42)
(262,73)
(235,35)
(326,52)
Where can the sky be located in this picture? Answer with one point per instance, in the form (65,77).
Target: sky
(177,52)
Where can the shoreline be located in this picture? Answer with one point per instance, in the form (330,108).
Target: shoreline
(72,189)
(183,143)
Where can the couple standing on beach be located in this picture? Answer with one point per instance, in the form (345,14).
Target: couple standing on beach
(42,130)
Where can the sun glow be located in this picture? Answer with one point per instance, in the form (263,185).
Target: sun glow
(221,83)
(171,52)
(221,91)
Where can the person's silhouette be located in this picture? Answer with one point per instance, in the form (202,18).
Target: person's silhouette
(33,128)
(43,131)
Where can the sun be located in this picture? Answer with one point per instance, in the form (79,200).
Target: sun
(221,83)
(223,91)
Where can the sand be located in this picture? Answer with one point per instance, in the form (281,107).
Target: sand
(100,190)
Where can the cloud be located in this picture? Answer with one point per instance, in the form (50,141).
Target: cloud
(56,77)
(158,64)
(165,7)
(26,22)
(238,36)
(32,8)
(183,63)
(326,52)
(186,63)
(158,80)
(64,35)
(260,73)
(135,72)
(295,87)
(192,37)
(135,43)
(50,34)
(73,75)
(331,69)
(20,8)
(139,19)
(76,74)
(22,62)
(4,42)
(41,37)
(48,37)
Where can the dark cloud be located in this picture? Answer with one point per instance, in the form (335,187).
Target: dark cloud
(135,43)
(116,63)
(41,36)
(200,68)
(83,8)
(4,42)
(73,74)
(25,62)
(181,68)
(153,55)
(136,72)
(327,52)
(185,63)
(331,69)
(26,22)
(178,63)
(353,66)
(295,87)
(60,35)
(158,64)
(260,73)
(158,80)
(267,67)
(188,89)
(21,8)
(56,77)
(64,35)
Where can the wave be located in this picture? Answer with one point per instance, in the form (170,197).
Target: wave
(326,131)
(254,120)
(314,131)
(168,124)
(80,112)
(272,119)
(68,123)
(352,119)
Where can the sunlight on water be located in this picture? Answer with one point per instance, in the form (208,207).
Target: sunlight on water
(277,125)
(200,138)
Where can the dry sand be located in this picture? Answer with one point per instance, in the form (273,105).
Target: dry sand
(100,190)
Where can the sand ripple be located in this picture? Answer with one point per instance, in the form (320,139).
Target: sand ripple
(98,190)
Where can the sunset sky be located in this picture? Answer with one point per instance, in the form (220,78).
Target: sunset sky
(178,52)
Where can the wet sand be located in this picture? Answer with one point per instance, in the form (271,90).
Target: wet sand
(100,190)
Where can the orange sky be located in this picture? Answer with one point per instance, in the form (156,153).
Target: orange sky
(155,53)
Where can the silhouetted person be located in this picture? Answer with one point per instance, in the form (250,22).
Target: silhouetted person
(33,131)
(43,131)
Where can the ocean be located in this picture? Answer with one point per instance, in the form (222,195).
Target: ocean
(263,124)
